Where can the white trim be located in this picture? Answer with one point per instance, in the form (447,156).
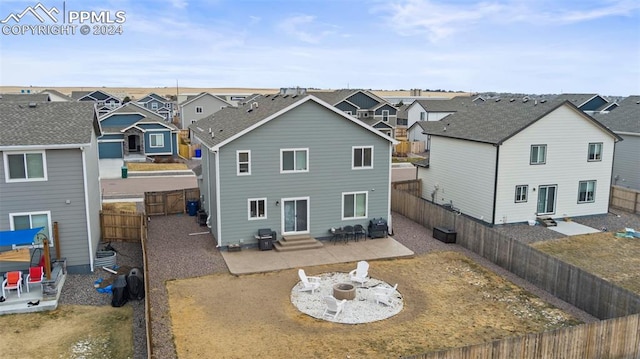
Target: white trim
(282,200)
(388,115)
(363,167)
(5,154)
(43,147)
(218,206)
(593,192)
(152,135)
(86,206)
(355,194)
(202,95)
(238,152)
(107,141)
(49,223)
(249,200)
(289,108)
(294,160)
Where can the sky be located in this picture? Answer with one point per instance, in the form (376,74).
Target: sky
(519,46)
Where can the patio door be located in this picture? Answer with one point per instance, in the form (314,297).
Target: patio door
(295,215)
(547,199)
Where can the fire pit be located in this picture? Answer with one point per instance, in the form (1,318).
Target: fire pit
(344,291)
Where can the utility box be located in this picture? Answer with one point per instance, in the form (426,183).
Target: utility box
(446,235)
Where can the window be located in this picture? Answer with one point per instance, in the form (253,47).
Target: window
(362,157)
(586,191)
(156,140)
(27,166)
(595,152)
(521,193)
(193,121)
(244,163)
(294,160)
(538,154)
(422,116)
(31,220)
(198,109)
(354,205)
(154,105)
(257,208)
(385,115)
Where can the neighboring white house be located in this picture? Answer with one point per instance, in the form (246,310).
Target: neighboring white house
(512,161)
(200,106)
(56,96)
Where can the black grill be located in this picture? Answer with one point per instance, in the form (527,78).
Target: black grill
(378,228)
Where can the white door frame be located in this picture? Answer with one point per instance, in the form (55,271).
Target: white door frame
(555,198)
(282,215)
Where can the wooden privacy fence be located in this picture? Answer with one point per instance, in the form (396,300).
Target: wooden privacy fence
(169,202)
(626,199)
(612,338)
(411,186)
(584,290)
(121,226)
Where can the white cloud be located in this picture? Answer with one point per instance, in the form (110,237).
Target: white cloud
(305,28)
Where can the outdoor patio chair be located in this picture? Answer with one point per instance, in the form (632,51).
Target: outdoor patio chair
(361,273)
(333,306)
(36,275)
(348,233)
(386,296)
(359,231)
(13,281)
(308,283)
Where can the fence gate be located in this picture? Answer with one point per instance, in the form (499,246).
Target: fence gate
(169,202)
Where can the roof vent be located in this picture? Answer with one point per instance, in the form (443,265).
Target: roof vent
(32,105)
(543,100)
(498,100)
(254,105)
(524,100)
(511,100)
(209,129)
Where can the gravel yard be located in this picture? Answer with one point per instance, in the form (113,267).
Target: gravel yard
(174,254)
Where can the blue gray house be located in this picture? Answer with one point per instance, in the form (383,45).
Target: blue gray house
(49,173)
(104,102)
(158,104)
(292,163)
(132,130)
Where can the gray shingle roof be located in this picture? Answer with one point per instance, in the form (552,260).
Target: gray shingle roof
(624,118)
(23,98)
(49,123)
(442,105)
(576,98)
(495,122)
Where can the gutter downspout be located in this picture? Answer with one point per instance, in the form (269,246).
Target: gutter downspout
(86,205)
(218,215)
(495,186)
(389,189)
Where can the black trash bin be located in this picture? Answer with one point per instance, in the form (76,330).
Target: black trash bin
(120,293)
(135,284)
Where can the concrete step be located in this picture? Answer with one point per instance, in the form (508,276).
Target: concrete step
(296,243)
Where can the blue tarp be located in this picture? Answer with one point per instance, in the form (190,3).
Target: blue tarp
(19,237)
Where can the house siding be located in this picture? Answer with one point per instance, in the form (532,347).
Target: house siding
(167,147)
(626,164)
(567,136)
(463,173)
(362,101)
(65,183)
(121,120)
(94,199)
(345,106)
(209,104)
(329,138)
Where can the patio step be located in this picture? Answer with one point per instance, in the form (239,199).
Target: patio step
(296,243)
(547,221)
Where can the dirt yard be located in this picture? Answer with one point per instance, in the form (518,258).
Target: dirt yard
(603,254)
(449,301)
(71,331)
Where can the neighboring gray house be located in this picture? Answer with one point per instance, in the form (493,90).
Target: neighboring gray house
(49,173)
(200,106)
(364,105)
(159,105)
(625,122)
(589,103)
(104,102)
(292,163)
(512,161)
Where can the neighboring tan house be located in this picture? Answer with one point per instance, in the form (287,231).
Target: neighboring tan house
(365,106)
(56,96)
(49,173)
(104,101)
(512,161)
(159,105)
(292,163)
(132,131)
(198,107)
(624,120)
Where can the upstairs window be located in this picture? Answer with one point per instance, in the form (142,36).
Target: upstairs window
(586,191)
(244,163)
(27,166)
(423,115)
(198,109)
(521,193)
(595,152)
(154,105)
(294,160)
(538,154)
(362,157)
(385,115)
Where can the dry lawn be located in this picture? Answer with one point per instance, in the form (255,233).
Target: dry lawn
(143,166)
(68,332)
(128,207)
(603,254)
(449,301)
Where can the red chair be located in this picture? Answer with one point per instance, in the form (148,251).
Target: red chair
(36,274)
(13,281)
